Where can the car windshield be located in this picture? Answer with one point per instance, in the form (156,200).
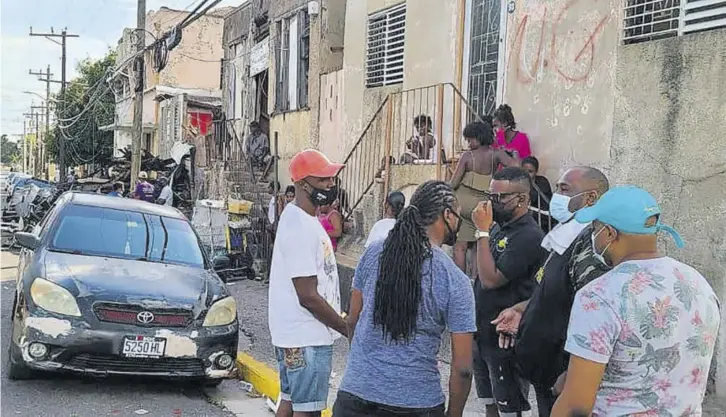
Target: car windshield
(115,233)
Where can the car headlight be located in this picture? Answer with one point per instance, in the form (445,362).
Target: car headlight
(54,298)
(221,313)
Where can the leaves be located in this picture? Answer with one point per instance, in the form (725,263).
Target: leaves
(85,143)
(9,151)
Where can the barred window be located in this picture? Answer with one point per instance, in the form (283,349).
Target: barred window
(386,38)
(647,20)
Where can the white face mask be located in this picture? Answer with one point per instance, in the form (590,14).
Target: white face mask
(599,256)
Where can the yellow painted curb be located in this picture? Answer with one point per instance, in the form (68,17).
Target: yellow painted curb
(263,378)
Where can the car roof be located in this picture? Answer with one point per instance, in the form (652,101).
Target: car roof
(126,204)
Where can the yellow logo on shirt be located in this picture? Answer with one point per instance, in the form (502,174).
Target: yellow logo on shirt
(502,244)
(539,275)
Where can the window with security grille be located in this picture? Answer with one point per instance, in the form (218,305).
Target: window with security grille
(646,20)
(386,38)
(484,55)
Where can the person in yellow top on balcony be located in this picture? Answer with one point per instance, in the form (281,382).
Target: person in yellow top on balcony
(471,182)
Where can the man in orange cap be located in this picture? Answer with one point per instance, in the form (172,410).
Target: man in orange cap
(304,294)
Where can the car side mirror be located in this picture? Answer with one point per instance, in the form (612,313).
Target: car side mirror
(221,262)
(27,240)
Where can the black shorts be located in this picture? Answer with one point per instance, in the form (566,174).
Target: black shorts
(349,405)
(481,378)
(509,390)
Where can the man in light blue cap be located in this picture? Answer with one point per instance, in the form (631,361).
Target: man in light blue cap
(641,337)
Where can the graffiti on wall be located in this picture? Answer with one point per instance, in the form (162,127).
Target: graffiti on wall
(562,40)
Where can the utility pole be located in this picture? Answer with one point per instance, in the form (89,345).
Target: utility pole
(25,149)
(138,129)
(47,81)
(39,166)
(33,157)
(62,145)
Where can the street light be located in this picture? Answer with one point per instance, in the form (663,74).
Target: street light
(52,100)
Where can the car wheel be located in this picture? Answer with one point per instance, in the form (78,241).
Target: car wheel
(17,369)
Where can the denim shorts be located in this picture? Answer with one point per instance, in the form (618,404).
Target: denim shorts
(305,376)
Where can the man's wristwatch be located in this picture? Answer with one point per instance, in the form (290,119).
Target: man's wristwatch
(479,234)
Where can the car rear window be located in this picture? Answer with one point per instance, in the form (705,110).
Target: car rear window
(126,234)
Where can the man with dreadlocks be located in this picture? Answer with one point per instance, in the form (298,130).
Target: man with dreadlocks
(508,256)
(304,294)
(406,292)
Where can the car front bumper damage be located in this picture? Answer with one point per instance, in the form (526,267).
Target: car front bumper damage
(72,345)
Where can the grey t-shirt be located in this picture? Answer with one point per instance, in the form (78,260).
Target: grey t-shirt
(407,375)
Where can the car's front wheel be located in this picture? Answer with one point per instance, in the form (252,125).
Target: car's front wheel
(17,369)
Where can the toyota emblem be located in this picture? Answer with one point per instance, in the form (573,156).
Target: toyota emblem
(145,317)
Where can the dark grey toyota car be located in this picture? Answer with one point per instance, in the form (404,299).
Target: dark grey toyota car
(110,285)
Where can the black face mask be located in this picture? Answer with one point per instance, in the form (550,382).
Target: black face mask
(450,239)
(501,214)
(321,197)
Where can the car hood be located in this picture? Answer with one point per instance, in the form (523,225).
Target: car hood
(148,284)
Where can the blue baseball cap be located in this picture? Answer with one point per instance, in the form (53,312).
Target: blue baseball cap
(627,209)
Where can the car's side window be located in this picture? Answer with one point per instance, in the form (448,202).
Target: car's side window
(41,228)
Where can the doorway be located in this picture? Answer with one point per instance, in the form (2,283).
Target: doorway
(262,115)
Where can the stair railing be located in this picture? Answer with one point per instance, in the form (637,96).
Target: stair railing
(419,126)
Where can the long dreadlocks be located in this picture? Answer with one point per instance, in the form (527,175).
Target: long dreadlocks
(398,289)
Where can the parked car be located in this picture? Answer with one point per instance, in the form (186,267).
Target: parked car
(120,286)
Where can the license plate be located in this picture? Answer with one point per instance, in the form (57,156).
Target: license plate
(143,347)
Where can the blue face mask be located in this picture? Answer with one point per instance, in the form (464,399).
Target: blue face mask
(560,207)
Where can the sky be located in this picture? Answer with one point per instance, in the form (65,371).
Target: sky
(99,24)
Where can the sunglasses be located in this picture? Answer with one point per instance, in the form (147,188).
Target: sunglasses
(498,197)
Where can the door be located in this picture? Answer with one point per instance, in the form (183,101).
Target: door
(484,59)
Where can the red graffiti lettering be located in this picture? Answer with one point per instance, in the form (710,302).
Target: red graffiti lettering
(584,60)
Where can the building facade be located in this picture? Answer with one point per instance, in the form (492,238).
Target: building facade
(634,88)
(192,67)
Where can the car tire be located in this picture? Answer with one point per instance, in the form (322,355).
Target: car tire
(17,369)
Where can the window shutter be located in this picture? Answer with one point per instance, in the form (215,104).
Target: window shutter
(386,39)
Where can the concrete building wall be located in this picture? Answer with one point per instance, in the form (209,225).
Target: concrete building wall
(194,63)
(200,50)
(669,137)
(560,59)
(426,62)
(301,128)
(331,115)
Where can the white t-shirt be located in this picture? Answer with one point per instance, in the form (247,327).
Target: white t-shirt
(380,230)
(654,323)
(271,211)
(302,249)
(167,195)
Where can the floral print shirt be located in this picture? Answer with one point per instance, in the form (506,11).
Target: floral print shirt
(654,323)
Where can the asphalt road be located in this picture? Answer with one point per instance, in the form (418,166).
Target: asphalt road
(70,395)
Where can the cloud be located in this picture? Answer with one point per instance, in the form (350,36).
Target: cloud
(99,23)
(22,53)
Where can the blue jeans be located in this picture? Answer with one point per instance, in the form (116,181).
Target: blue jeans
(305,376)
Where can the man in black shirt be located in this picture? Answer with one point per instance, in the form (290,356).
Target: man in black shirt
(508,256)
(571,264)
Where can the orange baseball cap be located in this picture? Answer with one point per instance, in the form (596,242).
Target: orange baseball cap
(312,163)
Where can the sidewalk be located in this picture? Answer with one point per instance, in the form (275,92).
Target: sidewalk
(8,265)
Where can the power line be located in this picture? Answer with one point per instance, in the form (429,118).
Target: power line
(64,35)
